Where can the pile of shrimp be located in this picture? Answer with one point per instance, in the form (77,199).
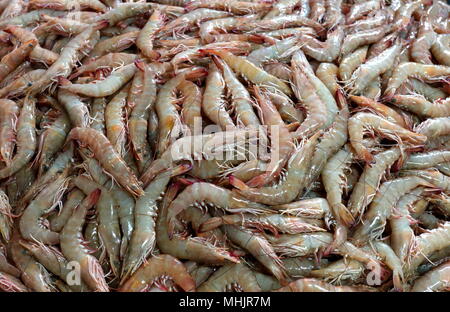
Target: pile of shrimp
(109,175)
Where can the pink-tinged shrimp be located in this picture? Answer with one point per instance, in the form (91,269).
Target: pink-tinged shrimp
(434,177)
(70,54)
(8,115)
(115,121)
(74,250)
(327,73)
(293,184)
(317,10)
(420,106)
(20,84)
(192,104)
(190,19)
(403,15)
(326,51)
(367,185)
(312,208)
(203,193)
(143,238)
(44,203)
(358,10)
(441,50)
(282,143)
(384,110)
(102,88)
(196,249)
(427,159)
(58,220)
(385,252)
(232,276)
(63,5)
(232,6)
(210,29)
(250,71)
(109,159)
(77,110)
(28,18)
(286,108)
(433,128)
(112,45)
(16,57)
(361,122)
(356,40)
(144,40)
(315,285)
(26,139)
(61,26)
(438,279)
(420,48)
(259,247)
(110,60)
(213,103)
(38,53)
(371,69)
(10,283)
(7,267)
(6,221)
(415,70)
(138,121)
(157,270)
(319,103)
(331,141)
(374,221)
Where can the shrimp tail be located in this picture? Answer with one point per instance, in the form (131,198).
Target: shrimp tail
(344,214)
(240,185)
(210,225)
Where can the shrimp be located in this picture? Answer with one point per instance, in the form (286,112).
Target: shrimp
(384,110)
(281,7)
(62,5)
(433,177)
(209,30)
(282,143)
(108,219)
(426,160)
(10,283)
(138,121)
(61,26)
(283,193)
(315,96)
(157,270)
(435,280)
(403,15)
(272,222)
(57,221)
(327,73)
(279,50)
(371,69)
(326,51)
(115,123)
(331,141)
(114,60)
(419,105)
(420,48)
(192,104)
(213,104)
(109,159)
(286,108)
(38,53)
(143,237)
(334,171)
(360,121)
(170,126)
(26,139)
(356,40)
(434,127)
(16,57)
(103,88)
(315,208)
(367,185)
(75,107)
(392,261)
(232,276)
(431,93)
(146,35)
(73,249)
(19,85)
(70,54)
(232,6)
(440,49)
(380,209)
(259,247)
(315,285)
(8,114)
(358,10)
(28,18)
(41,205)
(196,249)
(253,73)
(6,221)
(184,22)
(414,70)
(333,15)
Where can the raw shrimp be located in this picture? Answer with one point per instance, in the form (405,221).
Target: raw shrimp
(367,185)
(110,60)
(356,40)
(361,121)
(327,73)
(105,154)
(434,177)
(392,261)
(232,6)
(282,7)
(315,285)
(440,49)
(144,40)
(250,71)
(290,187)
(380,209)
(115,121)
(326,51)
(6,221)
(72,246)
(58,220)
(433,128)
(435,280)
(419,105)
(159,267)
(16,57)
(19,85)
(26,139)
(426,160)
(279,50)
(103,88)
(76,109)
(8,114)
(420,48)
(10,283)
(62,5)
(44,203)
(192,104)
(358,10)
(232,276)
